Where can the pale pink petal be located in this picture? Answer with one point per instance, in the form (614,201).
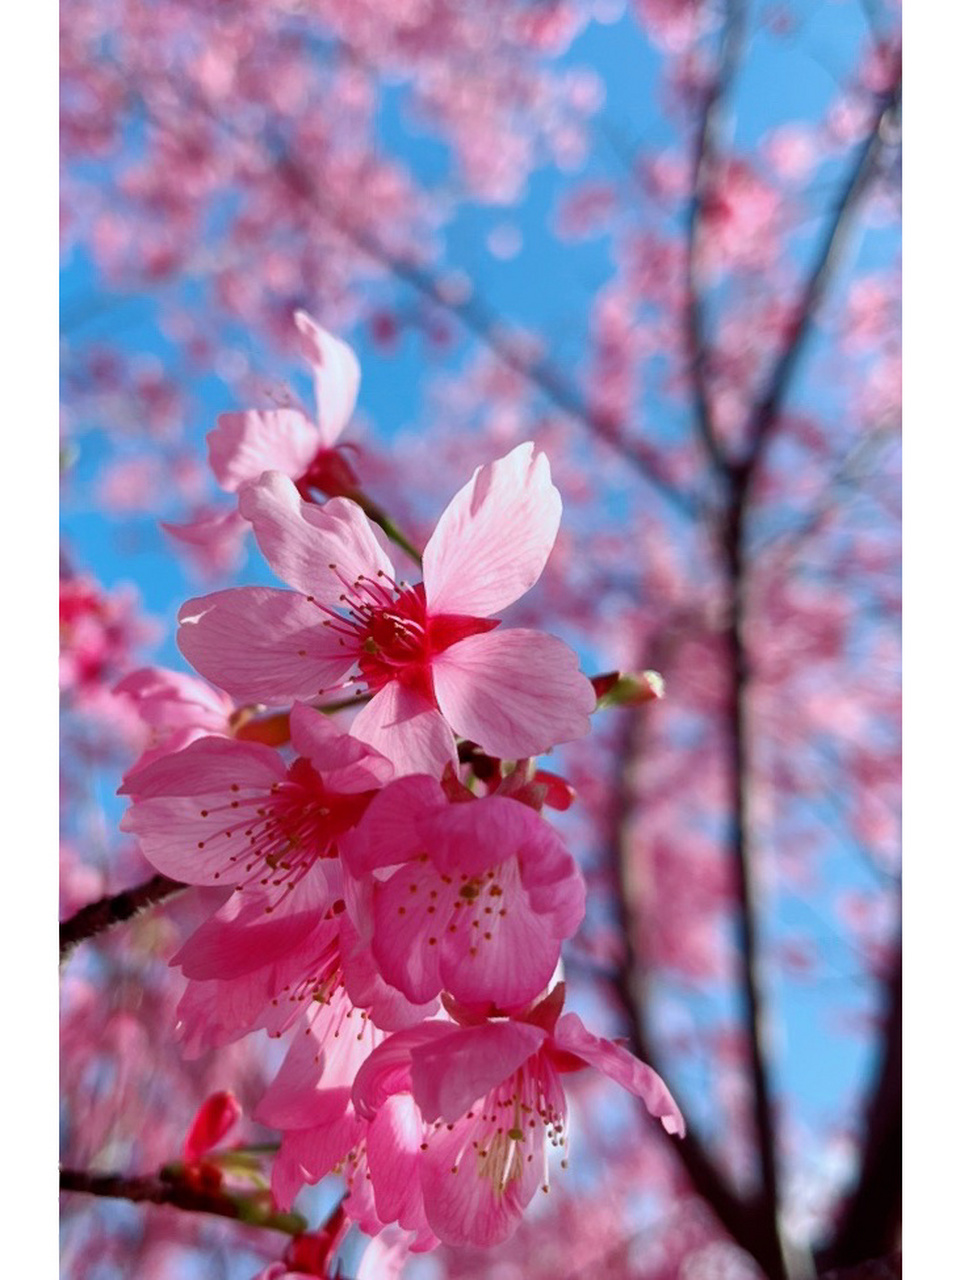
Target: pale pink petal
(405,727)
(182,804)
(214,540)
(319,550)
(314,1082)
(413,913)
(387,1008)
(393,1158)
(448,1076)
(212,1014)
(346,764)
(620,1065)
(516,692)
(244,445)
(384,1257)
(336,376)
(482,1202)
(173,699)
(492,541)
(307,1155)
(261,645)
(479,961)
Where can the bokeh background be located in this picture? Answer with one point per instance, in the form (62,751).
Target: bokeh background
(660,238)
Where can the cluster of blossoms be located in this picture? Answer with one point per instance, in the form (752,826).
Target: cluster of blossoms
(388,893)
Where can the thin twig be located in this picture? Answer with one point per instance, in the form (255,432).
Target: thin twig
(148,1189)
(104,914)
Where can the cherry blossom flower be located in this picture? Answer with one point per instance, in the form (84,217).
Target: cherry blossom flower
(428,653)
(492,1095)
(222,812)
(176,707)
(244,445)
(480,898)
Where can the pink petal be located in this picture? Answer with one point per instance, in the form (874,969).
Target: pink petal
(405,727)
(393,1158)
(516,693)
(450,1075)
(261,645)
(346,764)
(173,699)
(387,1070)
(482,1202)
(244,445)
(492,541)
(389,832)
(180,802)
(318,550)
(336,375)
(242,936)
(386,1007)
(212,1014)
(307,1155)
(479,961)
(314,1082)
(413,912)
(620,1065)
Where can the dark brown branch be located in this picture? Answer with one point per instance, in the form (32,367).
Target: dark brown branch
(763,420)
(745,1221)
(743,860)
(870,1221)
(104,914)
(148,1189)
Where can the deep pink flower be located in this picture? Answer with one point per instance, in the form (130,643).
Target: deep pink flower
(310,1103)
(248,970)
(481,896)
(429,653)
(222,812)
(493,1095)
(244,445)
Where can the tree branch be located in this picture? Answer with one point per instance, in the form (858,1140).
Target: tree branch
(744,1221)
(148,1189)
(819,278)
(104,914)
(869,1223)
(705,150)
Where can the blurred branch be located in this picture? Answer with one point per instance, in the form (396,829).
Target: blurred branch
(704,176)
(849,473)
(471,311)
(745,1221)
(820,276)
(869,1223)
(742,474)
(254,1212)
(107,912)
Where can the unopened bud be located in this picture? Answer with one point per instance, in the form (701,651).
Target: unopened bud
(216,1117)
(616,689)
